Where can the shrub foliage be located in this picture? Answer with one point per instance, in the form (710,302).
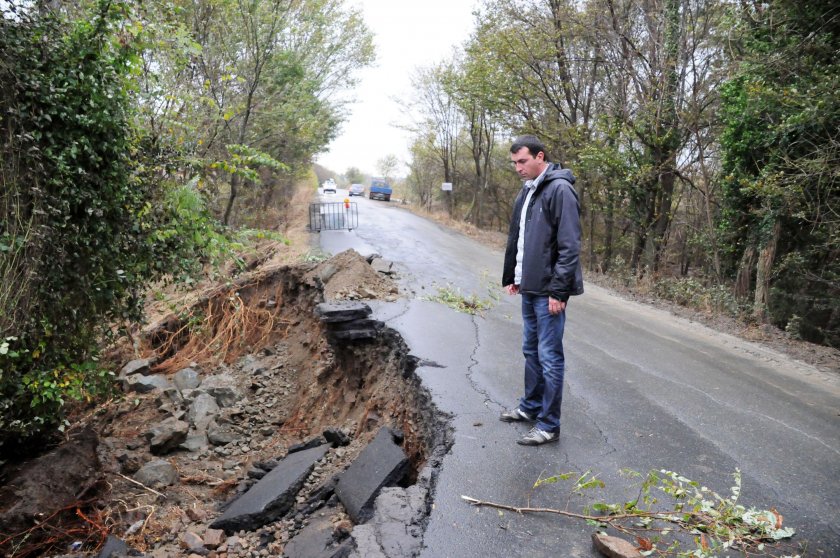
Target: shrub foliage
(84,222)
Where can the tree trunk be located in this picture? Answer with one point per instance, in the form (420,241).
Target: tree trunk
(707,205)
(666,132)
(609,225)
(764,270)
(743,281)
(645,212)
(638,249)
(234,190)
(663,212)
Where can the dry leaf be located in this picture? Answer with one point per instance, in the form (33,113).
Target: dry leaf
(644,544)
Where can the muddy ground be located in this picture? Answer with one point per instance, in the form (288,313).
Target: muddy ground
(279,381)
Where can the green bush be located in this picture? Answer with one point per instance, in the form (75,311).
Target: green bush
(70,208)
(89,213)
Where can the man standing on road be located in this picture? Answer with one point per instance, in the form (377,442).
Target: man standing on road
(542,264)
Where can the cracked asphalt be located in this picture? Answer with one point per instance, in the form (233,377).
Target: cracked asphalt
(644,390)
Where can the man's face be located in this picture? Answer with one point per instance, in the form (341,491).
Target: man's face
(527,166)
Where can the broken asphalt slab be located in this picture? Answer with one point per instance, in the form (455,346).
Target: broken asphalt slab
(382,463)
(273,495)
(348,320)
(396,527)
(318,540)
(342,311)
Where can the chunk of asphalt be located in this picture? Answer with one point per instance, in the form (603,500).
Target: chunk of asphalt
(354,329)
(364,323)
(342,311)
(316,540)
(272,496)
(352,335)
(309,444)
(395,529)
(318,498)
(384,267)
(336,437)
(382,463)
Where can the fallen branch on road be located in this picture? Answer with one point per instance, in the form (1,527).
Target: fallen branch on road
(695,514)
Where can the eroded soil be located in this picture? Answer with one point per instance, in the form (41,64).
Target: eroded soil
(289,385)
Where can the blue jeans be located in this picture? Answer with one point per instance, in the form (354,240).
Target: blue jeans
(542,345)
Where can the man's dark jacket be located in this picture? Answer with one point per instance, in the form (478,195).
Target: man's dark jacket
(551,266)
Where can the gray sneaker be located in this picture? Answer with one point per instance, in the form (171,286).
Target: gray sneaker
(515,415)
(537,437)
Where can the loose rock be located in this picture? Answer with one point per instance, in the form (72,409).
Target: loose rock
(137,366)
(202,410)
(186,379)
(156,474)
(145,384)
(223,388)
(167,436)
(614,547)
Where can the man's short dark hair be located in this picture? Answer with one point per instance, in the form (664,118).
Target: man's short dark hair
(533,144)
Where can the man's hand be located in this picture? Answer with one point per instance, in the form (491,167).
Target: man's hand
(555,306)
(512,289)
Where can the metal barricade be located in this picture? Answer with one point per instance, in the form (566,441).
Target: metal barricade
(333,216)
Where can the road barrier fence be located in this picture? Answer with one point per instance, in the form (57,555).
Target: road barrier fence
(333,216)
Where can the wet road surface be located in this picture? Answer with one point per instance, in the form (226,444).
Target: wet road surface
(644,390)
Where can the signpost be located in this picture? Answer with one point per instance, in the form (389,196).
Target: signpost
(447,187)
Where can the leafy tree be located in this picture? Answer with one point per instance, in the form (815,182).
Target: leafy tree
(271,83)
(780,146)
(118,118)
(441,121)
(388,166)
(729,186)
(354,175)
(78,232)
(470,87)
(423,176)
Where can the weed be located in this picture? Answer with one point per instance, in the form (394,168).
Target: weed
(315,255)
(452,297)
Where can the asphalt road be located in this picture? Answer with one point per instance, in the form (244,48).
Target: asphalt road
(644,390)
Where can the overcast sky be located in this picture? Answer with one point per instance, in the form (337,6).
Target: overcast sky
(407,34)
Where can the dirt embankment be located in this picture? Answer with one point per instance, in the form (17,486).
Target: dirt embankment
(231,384)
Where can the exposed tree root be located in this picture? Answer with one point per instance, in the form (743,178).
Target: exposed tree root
(54,530)
(227,326)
